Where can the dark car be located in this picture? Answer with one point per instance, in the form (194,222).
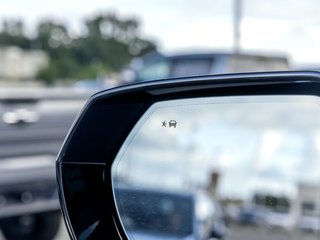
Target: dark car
(250,216)
(155,214)
(159,66)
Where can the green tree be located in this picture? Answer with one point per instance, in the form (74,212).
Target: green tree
(13,33)
(51,36)
(108,43)
(112,40)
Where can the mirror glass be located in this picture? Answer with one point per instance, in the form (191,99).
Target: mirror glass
(242,167)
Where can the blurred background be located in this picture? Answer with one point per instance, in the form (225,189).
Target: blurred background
(55,54)
(60,43)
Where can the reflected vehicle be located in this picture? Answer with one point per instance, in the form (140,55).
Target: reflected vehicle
(281,220)
(309,224)
(309,220)
(240,140)
(281,212)
(250,216)
(149,214)
(153,214)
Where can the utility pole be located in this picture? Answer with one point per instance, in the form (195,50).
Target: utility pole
(237,15)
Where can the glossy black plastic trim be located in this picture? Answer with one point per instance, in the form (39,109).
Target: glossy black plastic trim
(84,163)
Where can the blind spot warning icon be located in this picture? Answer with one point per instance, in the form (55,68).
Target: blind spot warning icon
(173,123)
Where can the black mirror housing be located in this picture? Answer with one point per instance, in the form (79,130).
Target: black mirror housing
(84,163)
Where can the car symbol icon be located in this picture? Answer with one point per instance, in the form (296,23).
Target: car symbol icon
(172,123)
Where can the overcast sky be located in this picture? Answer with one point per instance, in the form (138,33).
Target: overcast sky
(290,27)
(252,143)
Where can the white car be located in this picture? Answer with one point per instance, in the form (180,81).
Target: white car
(282,220)
(309,223)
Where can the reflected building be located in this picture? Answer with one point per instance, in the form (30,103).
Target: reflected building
(308,199)
(17,64)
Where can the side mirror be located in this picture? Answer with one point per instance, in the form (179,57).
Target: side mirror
(195,158)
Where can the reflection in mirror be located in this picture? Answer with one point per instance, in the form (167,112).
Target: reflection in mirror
(242,167)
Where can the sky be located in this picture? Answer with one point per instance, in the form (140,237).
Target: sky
(252,150)
(282,27)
